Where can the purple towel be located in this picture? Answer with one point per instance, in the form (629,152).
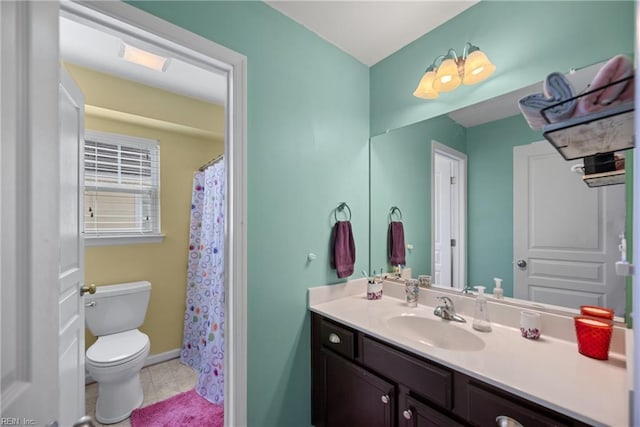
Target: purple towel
(395,243)
(343,251)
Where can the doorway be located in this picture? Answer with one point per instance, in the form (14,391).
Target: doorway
(186,51)
(448,216)
(30,129)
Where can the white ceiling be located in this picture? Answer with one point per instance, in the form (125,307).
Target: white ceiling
(371,30)
(99,50)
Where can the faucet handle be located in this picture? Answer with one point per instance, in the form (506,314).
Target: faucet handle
(447,302)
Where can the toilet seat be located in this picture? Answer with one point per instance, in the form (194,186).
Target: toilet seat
(117,349)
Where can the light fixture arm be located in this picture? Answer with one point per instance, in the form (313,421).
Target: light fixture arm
(451,53)
(435,64)
(469,48)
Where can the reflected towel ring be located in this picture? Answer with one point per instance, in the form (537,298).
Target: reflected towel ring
(393,210)
(340,208)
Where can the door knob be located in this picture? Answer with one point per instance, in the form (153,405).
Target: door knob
(91,289)
(521,263)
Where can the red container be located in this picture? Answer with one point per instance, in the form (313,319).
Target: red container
(594,336)
(595,311)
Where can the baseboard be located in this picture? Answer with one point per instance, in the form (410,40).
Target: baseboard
(152,359)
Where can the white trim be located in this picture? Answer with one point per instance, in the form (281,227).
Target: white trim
(207,54)
(122,240)
(461,243)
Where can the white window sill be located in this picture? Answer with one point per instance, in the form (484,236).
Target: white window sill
(122,240)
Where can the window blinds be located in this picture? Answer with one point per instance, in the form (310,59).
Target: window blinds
(121,176)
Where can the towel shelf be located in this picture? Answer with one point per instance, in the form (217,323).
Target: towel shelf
(596,137)
(604,131)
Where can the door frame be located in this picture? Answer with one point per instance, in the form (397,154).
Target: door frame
(207,54)
(460,268)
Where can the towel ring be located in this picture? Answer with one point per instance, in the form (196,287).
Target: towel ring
(393,210)
(340,208)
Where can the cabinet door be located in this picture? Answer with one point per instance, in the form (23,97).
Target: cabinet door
(354,396)
(417,414)
(485,405)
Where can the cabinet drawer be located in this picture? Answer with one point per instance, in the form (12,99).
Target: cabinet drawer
(486,404)
(427,380)
(338,339)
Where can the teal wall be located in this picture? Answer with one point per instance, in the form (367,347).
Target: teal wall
(311,110)
(526,40)
(490,199)
(401,176)
(307,148)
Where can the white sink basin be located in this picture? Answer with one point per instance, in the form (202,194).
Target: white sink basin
(435,332)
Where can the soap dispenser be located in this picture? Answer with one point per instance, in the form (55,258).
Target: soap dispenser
(498,292)
(481,320)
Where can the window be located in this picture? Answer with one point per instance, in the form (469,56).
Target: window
(121,189)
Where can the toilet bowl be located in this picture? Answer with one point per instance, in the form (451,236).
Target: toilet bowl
(118,355)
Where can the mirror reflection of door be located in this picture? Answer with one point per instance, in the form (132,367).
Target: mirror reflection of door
(448,216)
(566,233)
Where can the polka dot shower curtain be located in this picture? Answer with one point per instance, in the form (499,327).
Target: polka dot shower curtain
(203,346)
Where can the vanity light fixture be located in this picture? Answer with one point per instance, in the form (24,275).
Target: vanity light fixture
(143,57)
(448,71)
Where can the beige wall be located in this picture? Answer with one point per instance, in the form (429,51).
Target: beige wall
(183,149)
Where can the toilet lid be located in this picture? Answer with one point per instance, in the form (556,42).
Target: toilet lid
(116,348)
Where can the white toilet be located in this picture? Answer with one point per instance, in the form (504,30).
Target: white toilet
(113,314)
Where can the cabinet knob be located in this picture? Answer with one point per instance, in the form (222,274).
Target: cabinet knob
(385,398)
(334,338)
(407,414)
(504,421)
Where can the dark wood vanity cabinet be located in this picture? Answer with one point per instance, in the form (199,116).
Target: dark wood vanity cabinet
(358,380)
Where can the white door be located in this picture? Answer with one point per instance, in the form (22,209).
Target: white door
(71,260)
(448,215)
(442,213)
(29,212)
(566,234)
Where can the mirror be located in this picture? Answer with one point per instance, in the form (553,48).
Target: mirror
(506,164)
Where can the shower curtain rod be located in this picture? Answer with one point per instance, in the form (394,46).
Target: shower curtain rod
(211,162)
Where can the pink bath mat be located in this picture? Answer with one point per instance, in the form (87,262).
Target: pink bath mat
(184,409)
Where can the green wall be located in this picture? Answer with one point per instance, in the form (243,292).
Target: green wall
(526,40)
(401,176)
(490,199)
(307,148)
(311,110)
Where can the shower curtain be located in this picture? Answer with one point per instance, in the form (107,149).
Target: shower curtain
(203,346)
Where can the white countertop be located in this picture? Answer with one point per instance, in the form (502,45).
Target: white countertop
(549,371)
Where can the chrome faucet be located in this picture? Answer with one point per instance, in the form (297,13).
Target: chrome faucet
(447,311)
(467,290)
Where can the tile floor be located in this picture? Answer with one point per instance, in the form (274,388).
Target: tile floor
(159,382)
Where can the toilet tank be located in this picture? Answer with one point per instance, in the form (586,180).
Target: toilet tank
(120,307)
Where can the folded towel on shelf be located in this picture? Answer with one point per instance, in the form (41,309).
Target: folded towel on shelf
(343,249)
(395,243)
(617,68)
(556,88)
